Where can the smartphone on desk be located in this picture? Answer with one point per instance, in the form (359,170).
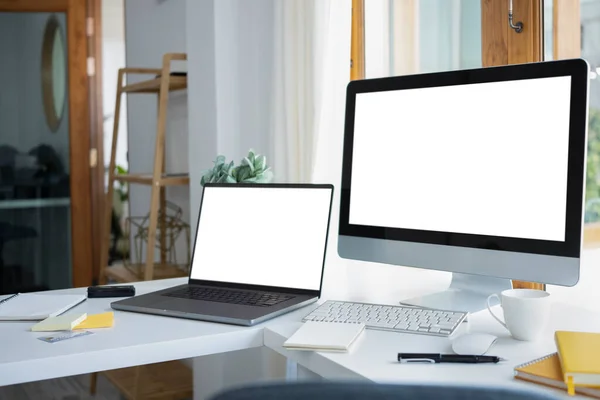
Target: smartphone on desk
(111,291)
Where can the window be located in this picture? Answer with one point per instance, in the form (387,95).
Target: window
(402,37)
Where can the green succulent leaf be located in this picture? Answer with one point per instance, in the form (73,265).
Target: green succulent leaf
(265,177)
(247,162)
(252,169)
(243,173)
(260,163)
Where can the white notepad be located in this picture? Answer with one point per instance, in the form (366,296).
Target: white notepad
(36,307)
(324,336)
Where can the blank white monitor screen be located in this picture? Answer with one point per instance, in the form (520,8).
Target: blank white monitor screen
(262,236)
(486,158)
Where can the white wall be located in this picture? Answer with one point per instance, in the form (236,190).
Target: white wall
(22,119)
(244,43)
(153,28)
(202,97)
(231,64)
(113,58)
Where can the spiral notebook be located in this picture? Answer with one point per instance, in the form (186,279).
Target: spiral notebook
(36,307)
(547,371)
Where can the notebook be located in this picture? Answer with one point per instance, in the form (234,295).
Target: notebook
(324,336)
(579,354)
(65,322)
(94,321)
(36,307)
(547,371)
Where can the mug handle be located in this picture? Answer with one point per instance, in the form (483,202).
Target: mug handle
(495,295)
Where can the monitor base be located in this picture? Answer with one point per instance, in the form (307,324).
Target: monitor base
(466,293)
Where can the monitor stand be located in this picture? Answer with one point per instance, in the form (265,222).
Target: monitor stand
(466,293)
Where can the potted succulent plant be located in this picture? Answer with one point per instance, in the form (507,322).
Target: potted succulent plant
(252,169)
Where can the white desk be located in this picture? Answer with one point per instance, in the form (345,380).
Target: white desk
(374,358)
(141,339)
(135,339)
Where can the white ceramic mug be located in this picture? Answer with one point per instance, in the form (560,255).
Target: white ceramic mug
(526,312)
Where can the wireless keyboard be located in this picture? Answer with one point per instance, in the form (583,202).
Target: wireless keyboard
(403,319)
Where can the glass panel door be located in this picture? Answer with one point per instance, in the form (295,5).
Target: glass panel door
(35,201)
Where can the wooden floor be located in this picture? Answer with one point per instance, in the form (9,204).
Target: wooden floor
(171,380)
(70,388)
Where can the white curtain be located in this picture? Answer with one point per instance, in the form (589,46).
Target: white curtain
(311,71)
(335,20)
(293,135)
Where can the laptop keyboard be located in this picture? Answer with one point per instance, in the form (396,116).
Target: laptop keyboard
(219,295)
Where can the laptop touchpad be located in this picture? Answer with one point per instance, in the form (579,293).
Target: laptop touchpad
(175,305)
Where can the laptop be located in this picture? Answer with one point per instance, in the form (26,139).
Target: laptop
(259,252)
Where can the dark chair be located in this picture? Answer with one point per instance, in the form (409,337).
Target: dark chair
(372,391)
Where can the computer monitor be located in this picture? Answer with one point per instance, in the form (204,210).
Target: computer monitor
(478,172)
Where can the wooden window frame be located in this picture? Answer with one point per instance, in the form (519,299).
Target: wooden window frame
(357,45)
(94,14)
(500,44)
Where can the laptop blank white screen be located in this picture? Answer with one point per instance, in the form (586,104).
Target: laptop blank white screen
(262,236)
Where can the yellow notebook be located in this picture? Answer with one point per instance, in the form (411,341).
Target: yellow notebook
(104,320)
(547,371)
(579,354)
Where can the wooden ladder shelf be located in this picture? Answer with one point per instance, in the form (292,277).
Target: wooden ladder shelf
(161,82)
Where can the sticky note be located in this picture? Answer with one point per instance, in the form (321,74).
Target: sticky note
(64,322)
(104,320)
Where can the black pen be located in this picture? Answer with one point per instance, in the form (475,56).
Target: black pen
(446,358)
